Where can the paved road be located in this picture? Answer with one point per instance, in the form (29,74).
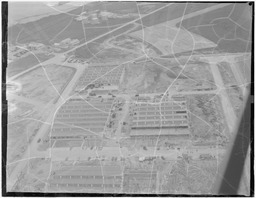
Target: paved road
(238,76)
(60,154)
(172,92)
(226,105)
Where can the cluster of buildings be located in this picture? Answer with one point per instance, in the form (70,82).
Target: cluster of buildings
(86,120)
(81,120)
(73,59)
(35,46)
(109,74)
(169,118)
(102,179)
(15,52)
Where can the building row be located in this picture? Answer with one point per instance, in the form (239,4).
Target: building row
(170,116)
(102,179)
(80,119)
(89,178)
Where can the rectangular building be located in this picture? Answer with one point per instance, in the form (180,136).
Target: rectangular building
(100,179)
(170,116)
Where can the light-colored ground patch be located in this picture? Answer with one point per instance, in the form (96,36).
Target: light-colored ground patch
(45,84)
(169,39)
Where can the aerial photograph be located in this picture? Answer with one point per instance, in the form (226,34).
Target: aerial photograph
(128,97)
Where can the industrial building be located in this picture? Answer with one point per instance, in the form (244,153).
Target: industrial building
(102,179)
(170,116)
(79,119)
(109,74)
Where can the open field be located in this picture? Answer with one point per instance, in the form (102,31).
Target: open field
(39,83)
(217,27)
(173,11)
(24,63)
(170,40)
(19,136)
